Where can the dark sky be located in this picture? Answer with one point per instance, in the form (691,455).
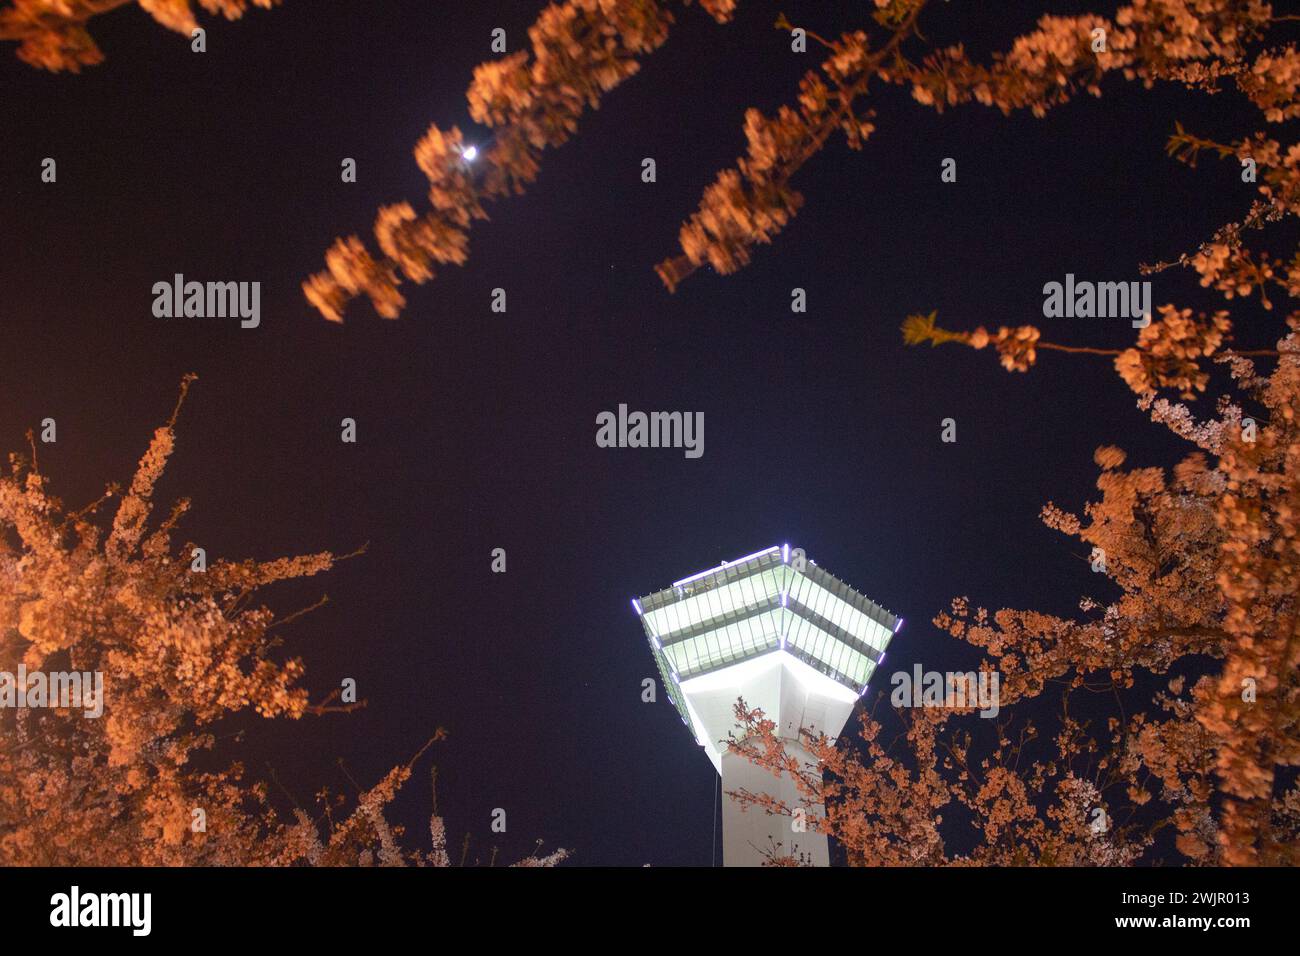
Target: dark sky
(477,429)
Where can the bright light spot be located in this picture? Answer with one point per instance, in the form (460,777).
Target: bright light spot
(469,152)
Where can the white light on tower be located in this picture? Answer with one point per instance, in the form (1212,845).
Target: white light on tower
(469,153)
(793,641)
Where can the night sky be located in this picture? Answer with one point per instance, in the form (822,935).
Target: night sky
(477,430)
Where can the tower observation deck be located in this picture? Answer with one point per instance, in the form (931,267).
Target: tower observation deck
(793,641)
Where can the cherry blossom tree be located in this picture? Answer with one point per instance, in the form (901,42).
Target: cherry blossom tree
(581,49)
(1201,564)
(532,100)
(181,646)
(52,34)
(1202,577)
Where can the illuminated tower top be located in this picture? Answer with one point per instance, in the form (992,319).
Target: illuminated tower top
(775,601)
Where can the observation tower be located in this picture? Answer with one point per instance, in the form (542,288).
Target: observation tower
(792,640)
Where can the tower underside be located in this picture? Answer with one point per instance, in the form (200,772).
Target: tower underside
(792,695)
